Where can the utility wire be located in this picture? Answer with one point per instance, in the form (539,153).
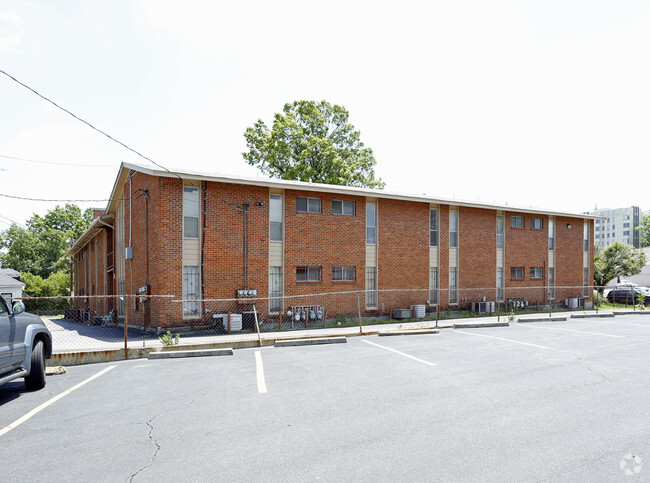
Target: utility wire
(12,221)
(70,201)
(58,164)
(115,140)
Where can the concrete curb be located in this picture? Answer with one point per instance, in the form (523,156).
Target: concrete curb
(477,326)
(541,319)
(195,353)
(590,316)
(630,312)
(297,342)
(382,333)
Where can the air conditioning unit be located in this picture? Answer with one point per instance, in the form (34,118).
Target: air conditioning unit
(402,313)
(483,307)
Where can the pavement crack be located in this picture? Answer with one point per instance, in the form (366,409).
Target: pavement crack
(155,453)
(605,378)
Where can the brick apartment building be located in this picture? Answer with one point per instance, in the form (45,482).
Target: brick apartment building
(198,236)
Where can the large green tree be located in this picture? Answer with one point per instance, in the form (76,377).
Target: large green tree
(616,261)
(312,141)
(39,248)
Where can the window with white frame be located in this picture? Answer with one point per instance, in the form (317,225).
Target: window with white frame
(371,287)
(275,217)
(434,285)
(309,274)
(586,235)
(585,282)
(517,273)
(536,272)
(308,205)
(536,224)
(517,221)
(434,230)
(275,289)
(343,207)
(453,228)
(500,231)
(551,234)
(190,212)
(453,285)
(344,274)
(551,283)
(371,223)
(500,285)
(191,292)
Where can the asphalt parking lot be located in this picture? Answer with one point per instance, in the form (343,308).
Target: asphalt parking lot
(547,401)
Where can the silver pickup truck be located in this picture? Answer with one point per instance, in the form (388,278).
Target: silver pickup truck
(25,343)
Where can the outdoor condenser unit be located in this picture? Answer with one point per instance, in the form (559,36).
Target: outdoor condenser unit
(483,307)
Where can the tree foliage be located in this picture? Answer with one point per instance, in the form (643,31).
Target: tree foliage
(644,231)
(616,261)
(312,141)
(56,284)
(39,248)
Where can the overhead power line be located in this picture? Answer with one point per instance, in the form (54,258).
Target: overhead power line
(56,163)
(105,200)
(116,140)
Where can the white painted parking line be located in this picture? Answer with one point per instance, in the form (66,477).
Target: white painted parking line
(400,353)
(501,338)
(261,383)
(616,322)
(574,330)
(33,412)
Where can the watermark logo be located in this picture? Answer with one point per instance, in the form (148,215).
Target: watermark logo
(631,464)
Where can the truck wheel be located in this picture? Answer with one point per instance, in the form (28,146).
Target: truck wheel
(36,377)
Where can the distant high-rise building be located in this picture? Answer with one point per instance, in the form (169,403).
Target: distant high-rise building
(619,225)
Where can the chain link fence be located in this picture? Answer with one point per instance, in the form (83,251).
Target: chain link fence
(88,323)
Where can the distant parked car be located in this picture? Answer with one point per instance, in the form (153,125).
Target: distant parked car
(25,343)
(628,295)
(626,283)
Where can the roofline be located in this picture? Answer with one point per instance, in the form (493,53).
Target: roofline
(337,189)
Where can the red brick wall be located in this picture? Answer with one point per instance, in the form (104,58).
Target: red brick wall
(569,257)
(477,254)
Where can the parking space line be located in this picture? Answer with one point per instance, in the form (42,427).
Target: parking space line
(261,383)
(573,330)
(615,322)
(400,353)
(501,338)
(33,412)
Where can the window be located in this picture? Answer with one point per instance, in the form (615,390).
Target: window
(309,274)
(500,224)
(453,285)
(453,228)
(190,212)
(597,228)
(275,289)
(626,233)
(613,227)
(626,225)
(551,234)
(371,223)
(551,283)
(585,278)
(586,235)
(536,272)
(433,228)
(344,274)
(343,207)
(275,217)
(371,287)
(500,285)
(517,273)
(517,221)
(309,205)
(536,224)
(434,285)
(191,292)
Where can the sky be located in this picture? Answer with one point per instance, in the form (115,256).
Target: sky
(529,103)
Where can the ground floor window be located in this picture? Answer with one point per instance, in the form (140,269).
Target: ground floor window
(551,283)
(371,287)
(344,274)
(453,285)
(500,285)
(586,284)
(434,285)
(275,291)
(309,274)
(191,291)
